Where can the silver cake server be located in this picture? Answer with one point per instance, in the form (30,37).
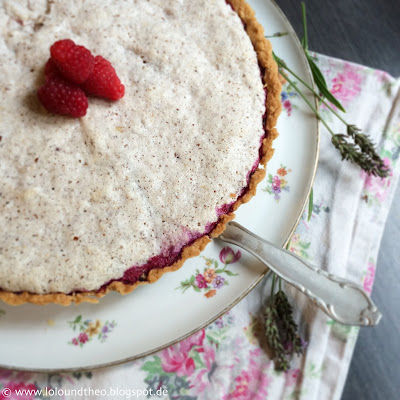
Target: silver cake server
(344,301)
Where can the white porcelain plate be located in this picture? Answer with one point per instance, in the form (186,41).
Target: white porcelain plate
(121,328)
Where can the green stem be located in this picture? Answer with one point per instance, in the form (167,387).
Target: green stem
(278,34)
(308,102)
(273,284)
(305,37)
(310,204)
(282,64)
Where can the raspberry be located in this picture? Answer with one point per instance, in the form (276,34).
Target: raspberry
(71,65)
(61,97)
(103,81)
(51,70)
(74,62)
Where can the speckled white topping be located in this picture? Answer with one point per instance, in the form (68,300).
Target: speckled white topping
(82,200)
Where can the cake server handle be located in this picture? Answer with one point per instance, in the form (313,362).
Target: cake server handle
(344,301)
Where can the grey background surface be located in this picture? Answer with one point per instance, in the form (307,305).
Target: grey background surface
(366,32)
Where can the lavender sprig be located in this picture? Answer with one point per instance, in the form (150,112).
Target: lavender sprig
(354,146)
(273,335)
(281,329)
(293,342)
(361,152)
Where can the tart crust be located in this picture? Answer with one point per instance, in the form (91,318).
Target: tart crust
(273,108)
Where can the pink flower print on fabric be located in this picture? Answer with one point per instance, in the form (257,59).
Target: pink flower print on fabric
(178,363)
(376,186)
(201,382)
(249,386)
(260,379)
(241,390)
(8,375)
(195,340)
(292,376)
(252,383)
(346,86)
(17,386)
(176,358)
(369,277)
(383,77)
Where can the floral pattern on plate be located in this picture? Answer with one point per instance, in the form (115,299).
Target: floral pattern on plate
(287,96)
(89,330)
(277,183)
(212,279)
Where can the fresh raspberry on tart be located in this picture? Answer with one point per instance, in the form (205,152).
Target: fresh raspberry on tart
(71,69)
(61,97)
(51,70)
(74,62)
(103,81)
